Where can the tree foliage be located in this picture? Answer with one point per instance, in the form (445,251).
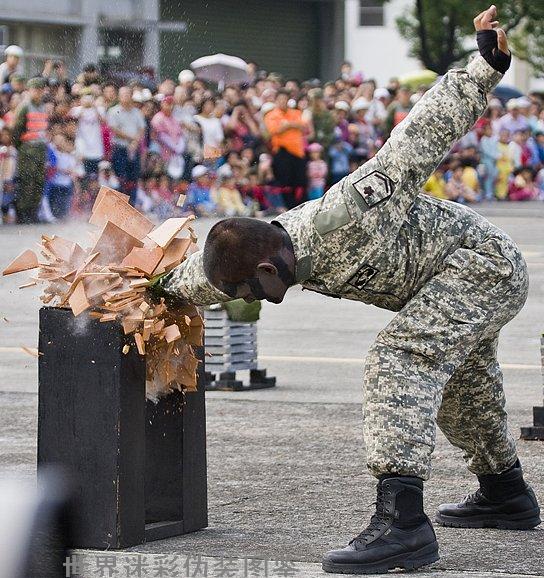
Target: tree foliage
(439,32)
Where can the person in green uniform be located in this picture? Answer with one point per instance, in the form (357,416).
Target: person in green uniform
(30,137)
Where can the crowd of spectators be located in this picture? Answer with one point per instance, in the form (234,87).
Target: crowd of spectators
(252,149)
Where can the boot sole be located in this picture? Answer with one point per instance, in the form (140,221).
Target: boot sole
(524,521)
(407,561)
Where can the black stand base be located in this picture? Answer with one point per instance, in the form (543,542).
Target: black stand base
(535,432)
(227,381)
(138,468)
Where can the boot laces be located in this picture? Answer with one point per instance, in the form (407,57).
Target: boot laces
(378,520)
(474,497)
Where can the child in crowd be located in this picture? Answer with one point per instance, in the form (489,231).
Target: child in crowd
(505,165)
(8,170)
(339,154)
(229,200)
(274,198)
(62,176)
(106,176)
(456,188)
(522,186)
(317,172)
(198,194)
(161,193)
(489,149)
(436,184)
(253,189)
(143,202)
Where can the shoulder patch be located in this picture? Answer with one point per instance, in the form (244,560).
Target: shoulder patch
(371,190)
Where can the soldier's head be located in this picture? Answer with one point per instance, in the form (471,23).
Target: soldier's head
(249,259)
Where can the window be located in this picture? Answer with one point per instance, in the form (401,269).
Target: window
(370,12)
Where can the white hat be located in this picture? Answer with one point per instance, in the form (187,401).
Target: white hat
(381,93)
(198,171)
(186,76)
(14,50)
(137,96)
(292,103)
(224,171)
(159,97)
(494,103)
(524,102)
(102,165)
(512,104)
(342,105)
(360,104)
(146,95)
(267,107)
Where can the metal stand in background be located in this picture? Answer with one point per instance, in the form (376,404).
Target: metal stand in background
(233,348)
(536,431)
(138,468)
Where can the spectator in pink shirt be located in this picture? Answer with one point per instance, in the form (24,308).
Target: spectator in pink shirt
(169,134)
(317,172)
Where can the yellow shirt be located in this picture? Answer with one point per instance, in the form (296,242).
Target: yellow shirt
(436,186)
(470,178)
(229,201)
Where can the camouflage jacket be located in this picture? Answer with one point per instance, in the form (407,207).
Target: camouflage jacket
(373,237)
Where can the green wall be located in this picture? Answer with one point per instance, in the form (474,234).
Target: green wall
(280,35)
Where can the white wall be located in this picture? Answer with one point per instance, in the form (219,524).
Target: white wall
(378,51)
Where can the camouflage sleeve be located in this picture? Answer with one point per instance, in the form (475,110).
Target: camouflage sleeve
(188,281)
(417,145)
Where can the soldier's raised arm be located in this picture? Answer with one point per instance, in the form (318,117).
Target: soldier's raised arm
(443,115)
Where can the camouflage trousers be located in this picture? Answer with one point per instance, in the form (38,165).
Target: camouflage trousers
(436,363)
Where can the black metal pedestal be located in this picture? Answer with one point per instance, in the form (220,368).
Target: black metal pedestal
(139,469)
(536,431)
(227,381)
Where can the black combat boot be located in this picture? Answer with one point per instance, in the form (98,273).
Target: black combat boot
(399,535)
(503,501)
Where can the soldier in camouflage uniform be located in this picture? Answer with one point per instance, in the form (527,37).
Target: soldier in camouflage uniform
(30,138)
(455,280)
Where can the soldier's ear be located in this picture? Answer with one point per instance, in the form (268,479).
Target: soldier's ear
(266,267)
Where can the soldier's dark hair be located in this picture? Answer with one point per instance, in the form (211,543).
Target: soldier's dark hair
(234,247)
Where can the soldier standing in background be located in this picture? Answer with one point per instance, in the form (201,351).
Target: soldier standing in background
(30,137)
(455,280)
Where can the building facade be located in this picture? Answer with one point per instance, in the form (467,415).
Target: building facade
(375,47)
(300,39)
(373,44)
(120,33)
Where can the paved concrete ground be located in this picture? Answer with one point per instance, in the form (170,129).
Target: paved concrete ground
(286,466)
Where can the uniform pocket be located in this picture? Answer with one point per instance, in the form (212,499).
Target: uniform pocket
(485,265)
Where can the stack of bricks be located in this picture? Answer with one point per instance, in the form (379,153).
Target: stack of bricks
(109,281)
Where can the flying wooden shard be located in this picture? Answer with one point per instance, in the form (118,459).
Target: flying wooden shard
(111,207)
(107,191)
(173,255)
(143,259)
(25,261)
(165,232)
(171,333)
(78,300)
(114,244)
